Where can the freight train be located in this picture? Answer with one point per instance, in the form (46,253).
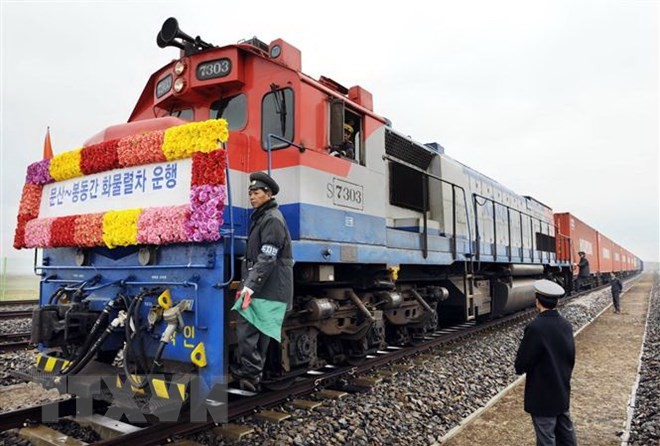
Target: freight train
(141,230)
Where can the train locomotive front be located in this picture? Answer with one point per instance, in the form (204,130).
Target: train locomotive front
(143,229)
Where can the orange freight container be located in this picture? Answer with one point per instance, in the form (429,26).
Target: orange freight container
(582,238)
(605,254)
(617,258)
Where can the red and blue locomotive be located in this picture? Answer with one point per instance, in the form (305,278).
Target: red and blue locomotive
(142,228)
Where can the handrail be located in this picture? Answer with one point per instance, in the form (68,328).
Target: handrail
(272,136)
(532,219)
(232,232)
(454,186)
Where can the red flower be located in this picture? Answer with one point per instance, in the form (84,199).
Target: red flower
(208,168)
(19,235)
(99,157)
(88,230)
(141,149)
(63,230)
(30,200)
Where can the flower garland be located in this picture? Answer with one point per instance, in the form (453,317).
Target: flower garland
(184,140)
(30,201)
(88,230)
(198,221)
(141,149)
(206,203)
(120,227)
(62,231)
(208,168)
(162,225)
(99,157)
(37,232)
(39,173)
(66,165)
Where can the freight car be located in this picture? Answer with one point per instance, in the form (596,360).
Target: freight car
(143,229)
(604,255)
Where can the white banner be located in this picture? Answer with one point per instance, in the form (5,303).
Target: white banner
(151,185)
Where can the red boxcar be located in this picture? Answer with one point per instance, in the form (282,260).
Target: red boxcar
(605,254)
(582,238)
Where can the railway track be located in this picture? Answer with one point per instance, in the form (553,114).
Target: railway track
(332,378)
(14,341)
(15,314)
(9,303)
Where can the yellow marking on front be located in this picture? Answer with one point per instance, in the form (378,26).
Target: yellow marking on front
(182,390)
(160,388)
(50,364)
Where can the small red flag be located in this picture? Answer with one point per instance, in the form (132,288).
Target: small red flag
(48,148)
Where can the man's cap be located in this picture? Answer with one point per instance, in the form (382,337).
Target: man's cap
(582,252)
(261,180)
(548,288)
(348,128)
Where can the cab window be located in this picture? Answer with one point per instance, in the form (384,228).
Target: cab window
(277,117)
(233,109)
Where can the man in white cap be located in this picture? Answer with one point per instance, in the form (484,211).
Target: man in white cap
(547,355)
(266,290)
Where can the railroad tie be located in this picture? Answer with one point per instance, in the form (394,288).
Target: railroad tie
(45,436)
(272,416)
(233,432)
(367,381)
(305,404)
(331,394)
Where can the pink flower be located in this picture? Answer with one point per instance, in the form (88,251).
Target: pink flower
(163,225)
(37,233)
(206,218)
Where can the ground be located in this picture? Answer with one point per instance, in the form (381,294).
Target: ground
(607,358)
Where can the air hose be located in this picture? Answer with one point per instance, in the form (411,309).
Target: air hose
(100,322)
(116,322)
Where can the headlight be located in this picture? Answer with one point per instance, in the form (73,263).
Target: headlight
(179,84)
(179,68)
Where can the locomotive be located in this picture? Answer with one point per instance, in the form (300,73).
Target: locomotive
(142,230)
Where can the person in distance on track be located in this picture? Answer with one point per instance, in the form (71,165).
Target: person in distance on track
(616,287)
(266,290)
(547,355)
(583,273)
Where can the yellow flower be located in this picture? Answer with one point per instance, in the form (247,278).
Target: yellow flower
(184,140)
(66,165)
(120,227)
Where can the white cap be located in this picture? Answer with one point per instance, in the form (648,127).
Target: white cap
(548,288)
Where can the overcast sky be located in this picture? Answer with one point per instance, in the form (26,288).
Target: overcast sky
(555,99)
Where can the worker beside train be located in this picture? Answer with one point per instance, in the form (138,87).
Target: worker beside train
(266,290)
(616,287)
(583,271)
(547,355)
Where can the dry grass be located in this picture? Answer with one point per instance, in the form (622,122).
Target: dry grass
(14,287)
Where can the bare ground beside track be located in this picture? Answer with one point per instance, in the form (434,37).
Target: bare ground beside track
(15,287)
(606,368)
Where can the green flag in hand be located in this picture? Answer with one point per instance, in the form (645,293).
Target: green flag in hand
(266,315)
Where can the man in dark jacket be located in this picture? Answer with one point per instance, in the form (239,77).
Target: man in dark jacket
(346,149)
(583,273)
(266,291)
(547,355)
(616,286)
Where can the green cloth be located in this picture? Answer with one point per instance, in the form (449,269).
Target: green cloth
(266,315)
